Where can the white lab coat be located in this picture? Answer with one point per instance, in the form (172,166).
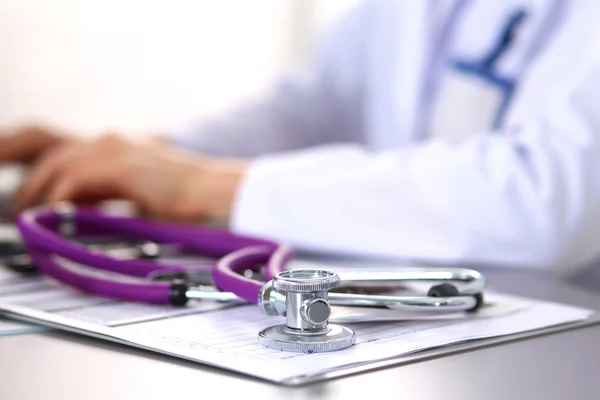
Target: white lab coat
(342,163)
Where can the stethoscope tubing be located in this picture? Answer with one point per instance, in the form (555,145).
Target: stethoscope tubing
(227,275)
(38,228)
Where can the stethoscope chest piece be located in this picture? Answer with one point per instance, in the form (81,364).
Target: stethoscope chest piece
(303,293)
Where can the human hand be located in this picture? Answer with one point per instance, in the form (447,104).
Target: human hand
(165,183)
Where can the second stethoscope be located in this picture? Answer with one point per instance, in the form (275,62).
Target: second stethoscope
(302,296)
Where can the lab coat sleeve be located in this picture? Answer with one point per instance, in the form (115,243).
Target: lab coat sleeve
(528,196)
(313,105)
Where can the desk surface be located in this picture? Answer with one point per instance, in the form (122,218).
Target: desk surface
(60,365)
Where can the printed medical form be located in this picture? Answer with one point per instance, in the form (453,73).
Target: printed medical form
(226,336)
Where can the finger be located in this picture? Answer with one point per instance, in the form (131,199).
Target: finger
(92,185)
(42,175)
(86,185)
(63,190)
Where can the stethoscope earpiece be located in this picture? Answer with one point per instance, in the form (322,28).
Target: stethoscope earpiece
(443,290)
(450,290)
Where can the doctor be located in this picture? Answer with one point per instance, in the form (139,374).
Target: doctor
(448,131)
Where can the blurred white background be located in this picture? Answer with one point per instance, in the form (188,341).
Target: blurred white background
(140,66)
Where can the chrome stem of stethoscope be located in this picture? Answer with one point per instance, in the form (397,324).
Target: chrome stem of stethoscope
(432,304)
(473,281)
(210,293)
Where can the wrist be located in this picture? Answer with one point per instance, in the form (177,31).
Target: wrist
(222,183)
(212,189)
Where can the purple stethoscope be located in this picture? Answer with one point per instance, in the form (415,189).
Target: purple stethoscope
(55,241)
